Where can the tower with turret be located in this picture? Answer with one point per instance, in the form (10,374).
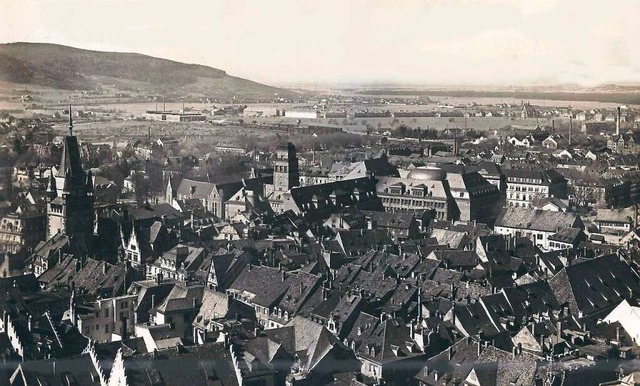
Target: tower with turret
(70,196)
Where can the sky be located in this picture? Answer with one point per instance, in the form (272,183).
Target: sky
(413,42)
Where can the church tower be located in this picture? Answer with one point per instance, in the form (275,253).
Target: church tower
(285,171)
(70,196)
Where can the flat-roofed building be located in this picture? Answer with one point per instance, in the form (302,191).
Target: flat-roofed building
(172,116)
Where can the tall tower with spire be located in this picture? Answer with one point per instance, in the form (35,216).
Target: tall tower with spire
(70,196)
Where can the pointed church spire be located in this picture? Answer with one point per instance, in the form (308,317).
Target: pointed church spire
(70,121)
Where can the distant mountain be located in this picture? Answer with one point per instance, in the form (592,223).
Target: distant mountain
(69,68)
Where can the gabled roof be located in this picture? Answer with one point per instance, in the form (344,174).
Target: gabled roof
(264,285)
(389,341)
(595,285)
(195,189)
(182,298)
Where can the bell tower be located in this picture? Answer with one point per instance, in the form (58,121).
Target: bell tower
(70,196)
(285,169)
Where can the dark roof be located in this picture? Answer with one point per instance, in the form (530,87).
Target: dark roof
(266,284)
(400,221)
(568,235)
(25,283)
(70,161)
(207,364)
(596,285)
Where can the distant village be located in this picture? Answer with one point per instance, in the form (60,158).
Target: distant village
(455,257)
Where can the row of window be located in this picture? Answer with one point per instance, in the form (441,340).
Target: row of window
(517,196)
(527,189)
(414,203)
(525,180)
(553,244)
(518,205)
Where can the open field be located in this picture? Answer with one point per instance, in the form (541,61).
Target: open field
(359,124)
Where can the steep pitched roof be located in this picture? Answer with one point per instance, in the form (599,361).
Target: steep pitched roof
(264,285)
(70,161)
(595,285)
(195,189)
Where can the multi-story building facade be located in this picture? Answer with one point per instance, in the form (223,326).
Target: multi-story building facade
(179,263)
(526,185)
(476,198)
(22,229)
(107,320)
(424,189)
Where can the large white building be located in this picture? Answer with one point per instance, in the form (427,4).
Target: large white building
(302,113)
(526,185)
(535,224)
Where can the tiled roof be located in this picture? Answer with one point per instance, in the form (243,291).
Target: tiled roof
(567,235)
(265,284)
(595,285)
(625,215)
(510,370)
(539,220)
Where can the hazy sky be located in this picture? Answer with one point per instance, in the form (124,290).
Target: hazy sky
(286,41)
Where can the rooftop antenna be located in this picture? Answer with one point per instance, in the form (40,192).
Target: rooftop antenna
(164,106)
(70,122)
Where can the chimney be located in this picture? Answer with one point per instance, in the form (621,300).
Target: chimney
(479,347)
(570,129)
(533,329)
(123,328)
(153,300)
(514,351)
(618,122)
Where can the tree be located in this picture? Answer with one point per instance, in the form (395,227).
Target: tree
(18,146)
(142,188)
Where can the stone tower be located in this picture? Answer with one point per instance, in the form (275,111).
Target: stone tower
(285,169)
(70,196)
